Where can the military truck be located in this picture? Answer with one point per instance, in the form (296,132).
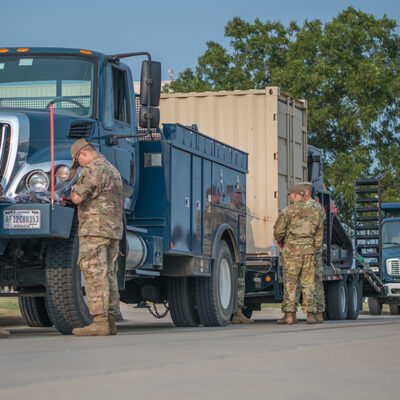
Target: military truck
(184,192)
(377,241)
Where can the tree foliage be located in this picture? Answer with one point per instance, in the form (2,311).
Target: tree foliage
(347,69)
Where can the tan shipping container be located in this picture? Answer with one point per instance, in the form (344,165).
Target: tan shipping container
(268,125)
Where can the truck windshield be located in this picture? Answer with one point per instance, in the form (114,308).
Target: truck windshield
(391,233)
(32,82)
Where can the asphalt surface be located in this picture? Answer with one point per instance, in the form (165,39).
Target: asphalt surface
(151,359)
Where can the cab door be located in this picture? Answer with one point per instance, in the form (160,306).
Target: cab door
(118,119)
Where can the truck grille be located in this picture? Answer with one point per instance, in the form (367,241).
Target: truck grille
(393,266)
(5,142)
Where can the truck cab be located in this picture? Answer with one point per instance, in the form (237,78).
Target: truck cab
(91,98)
(391,247)
(377,242)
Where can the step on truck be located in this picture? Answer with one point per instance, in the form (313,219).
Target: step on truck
(377,243)
(184,193)
(272,128)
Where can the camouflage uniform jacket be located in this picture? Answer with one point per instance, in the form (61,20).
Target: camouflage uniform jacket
(300,227)
(318,206)
(100,186)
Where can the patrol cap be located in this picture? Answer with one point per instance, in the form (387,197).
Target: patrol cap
(75,149)
(306,185)
(297,189)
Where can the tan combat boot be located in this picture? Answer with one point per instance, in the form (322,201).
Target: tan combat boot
(99,327)
(240,318)
(311,318)
(111,324)
(287,319)
(319,317)
(294,316)
(4,334)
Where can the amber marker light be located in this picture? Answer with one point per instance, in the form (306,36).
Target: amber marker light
(4,50)
(22,50)
(267,278)
(85,51)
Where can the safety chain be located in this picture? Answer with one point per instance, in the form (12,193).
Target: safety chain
(155,313)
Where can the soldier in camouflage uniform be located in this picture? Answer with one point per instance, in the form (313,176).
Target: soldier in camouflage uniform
(300,227)
(98,193)
(318,262)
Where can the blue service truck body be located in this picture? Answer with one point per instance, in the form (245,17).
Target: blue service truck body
(184,193)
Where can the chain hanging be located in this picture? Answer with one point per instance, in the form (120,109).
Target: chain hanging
(156,313)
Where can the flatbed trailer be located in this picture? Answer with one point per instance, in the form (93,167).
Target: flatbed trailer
(343,287)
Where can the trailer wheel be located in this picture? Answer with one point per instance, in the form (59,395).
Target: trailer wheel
(394,309)
(181,301)
(34,311)
(353,298)
(337,300)
(65,286)
(375,306)
(215,295)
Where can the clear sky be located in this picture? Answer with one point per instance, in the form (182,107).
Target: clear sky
(173,31)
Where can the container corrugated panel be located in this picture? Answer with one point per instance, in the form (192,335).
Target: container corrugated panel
(268,125)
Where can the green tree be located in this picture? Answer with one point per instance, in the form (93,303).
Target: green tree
(348,69)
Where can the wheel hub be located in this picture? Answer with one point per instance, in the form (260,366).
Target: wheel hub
(224,283)
(342,298)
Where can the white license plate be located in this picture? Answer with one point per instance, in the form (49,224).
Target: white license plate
(21,219)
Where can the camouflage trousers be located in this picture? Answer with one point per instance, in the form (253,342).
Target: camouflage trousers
(241,290)
(319,286)
(298,267)
(98,261)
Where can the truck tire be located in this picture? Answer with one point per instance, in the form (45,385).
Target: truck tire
(394,309)
(65,291)
(337,300)
(360,293)
(353,300)
(181,301)
(375,306)
(215,295)
(34,311)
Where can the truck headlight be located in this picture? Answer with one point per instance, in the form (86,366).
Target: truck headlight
(62,173)
(37,181)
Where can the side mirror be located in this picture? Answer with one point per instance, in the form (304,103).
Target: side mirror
(150,81)
(149,113)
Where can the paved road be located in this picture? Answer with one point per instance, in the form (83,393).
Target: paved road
(151,359)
